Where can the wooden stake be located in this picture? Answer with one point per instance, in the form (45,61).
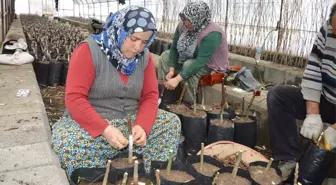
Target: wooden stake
(195,108)
(202,93)
(251,102)
(135,173)
(108,165)
(243,105)
(182,94)
(130,140)
(124,181)
(157,175)
(202,157)
(269,165)
(215,179)
(235,169)
(296,174)
(170,161)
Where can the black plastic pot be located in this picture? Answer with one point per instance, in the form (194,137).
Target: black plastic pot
(169,96)
(158,47)
(130,178)
(91,175)
(164,46)
(55,71)
(241,173)
(264,164)
(245,133)
(219,133)
(207,159)
(314,165)
(41,69)
(175,166)
(194,131)
(64,73)
(180,156)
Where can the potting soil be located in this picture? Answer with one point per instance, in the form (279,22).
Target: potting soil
(208,169)
(122,163)
(264,178)
(227,178)
(190,113)
(142,181)
(177,176)
(200,107)
(177,109)
(94,183)
(224,123)
(243,120)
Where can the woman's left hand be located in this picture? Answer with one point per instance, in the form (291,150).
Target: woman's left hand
(173,82)
(139,135)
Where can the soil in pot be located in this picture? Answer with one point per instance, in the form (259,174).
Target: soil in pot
(176,176)
(227,178)
(122,163)
(210,166)
(207,108)
(208,169)
(264,178)
(93,183)
(177,108)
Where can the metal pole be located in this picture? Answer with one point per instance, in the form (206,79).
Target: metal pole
(279,27)
(226,16)
(145,3)
(42,6)
(74,8)
(101,16)
(2,21)
(118,6)
(108,7)
(29,6)
(88,11)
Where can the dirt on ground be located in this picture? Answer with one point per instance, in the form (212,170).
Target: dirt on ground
(53,99)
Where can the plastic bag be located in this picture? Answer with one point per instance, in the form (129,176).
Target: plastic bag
(18,58)
(314,165)
(246,81)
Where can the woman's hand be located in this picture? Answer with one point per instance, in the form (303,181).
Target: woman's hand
(139,135)
(170,74)
(172,83)
(115,138)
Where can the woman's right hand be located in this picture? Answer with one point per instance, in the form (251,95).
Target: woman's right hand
(115,138)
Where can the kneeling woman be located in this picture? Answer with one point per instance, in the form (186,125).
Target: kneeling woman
(112,75)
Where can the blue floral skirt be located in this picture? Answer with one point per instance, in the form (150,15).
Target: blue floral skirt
(77,149)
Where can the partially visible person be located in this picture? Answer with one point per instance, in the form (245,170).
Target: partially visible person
(315,103)
(199,48)
(112,76)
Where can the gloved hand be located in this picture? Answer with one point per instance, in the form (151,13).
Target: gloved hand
(312,127)
(329,138)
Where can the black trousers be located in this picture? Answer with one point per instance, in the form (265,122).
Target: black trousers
(285,105)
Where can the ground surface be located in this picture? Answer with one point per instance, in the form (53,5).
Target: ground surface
(53,99)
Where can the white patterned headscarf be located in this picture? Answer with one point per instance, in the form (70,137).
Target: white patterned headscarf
(117,28)
(199,14)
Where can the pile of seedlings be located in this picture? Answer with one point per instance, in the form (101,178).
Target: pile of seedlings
(51,44)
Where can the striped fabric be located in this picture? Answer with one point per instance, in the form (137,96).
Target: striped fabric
(320,74)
